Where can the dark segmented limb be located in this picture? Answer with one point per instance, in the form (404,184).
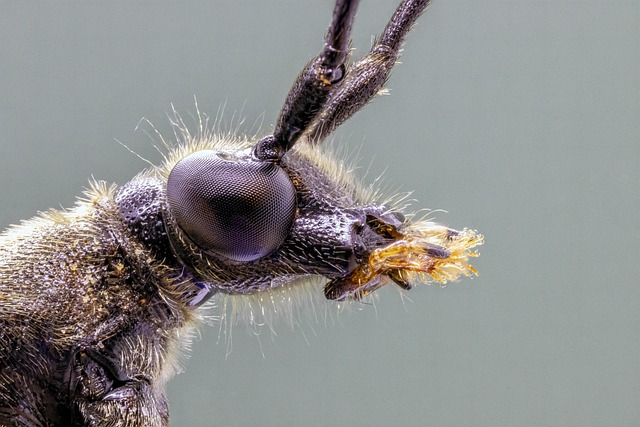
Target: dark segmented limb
(325,94)
(366,77)
(313,86)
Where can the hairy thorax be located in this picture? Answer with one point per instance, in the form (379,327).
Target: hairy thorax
(75,286)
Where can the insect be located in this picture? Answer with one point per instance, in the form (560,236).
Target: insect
(97,303)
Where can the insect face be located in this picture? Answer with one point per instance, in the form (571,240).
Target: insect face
(98,301)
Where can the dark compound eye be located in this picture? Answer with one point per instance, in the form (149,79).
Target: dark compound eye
(239,208)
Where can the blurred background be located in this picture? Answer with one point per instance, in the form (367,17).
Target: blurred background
(520,119)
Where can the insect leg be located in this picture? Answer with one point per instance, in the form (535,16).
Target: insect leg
(366,77)
(313,85)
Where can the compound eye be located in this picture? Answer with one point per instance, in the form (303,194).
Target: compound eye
(239,208)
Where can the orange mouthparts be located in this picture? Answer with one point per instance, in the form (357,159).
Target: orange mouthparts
(425,252)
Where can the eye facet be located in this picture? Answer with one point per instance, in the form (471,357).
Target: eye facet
(236,207)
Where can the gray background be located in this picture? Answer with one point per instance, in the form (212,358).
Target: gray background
(520,118)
